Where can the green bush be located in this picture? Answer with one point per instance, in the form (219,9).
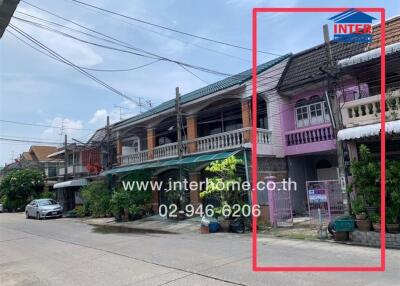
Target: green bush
(81,211)
(131,203)
(19,187)
(97,199)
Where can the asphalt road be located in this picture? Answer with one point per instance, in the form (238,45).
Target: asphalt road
(69,252)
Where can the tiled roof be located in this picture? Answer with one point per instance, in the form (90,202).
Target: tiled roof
(304,67)
(392,28)
(27,156)
(204,91)
(41,152)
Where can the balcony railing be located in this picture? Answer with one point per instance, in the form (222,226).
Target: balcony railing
(221,141)
(71,169)
(368,110)
(134,158)
(309,135)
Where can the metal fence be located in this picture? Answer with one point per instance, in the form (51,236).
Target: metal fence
(325,201)
(280,205)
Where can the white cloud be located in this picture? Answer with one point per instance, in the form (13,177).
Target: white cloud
(99,117)
(73,128)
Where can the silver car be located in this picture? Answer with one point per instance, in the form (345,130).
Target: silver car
(43,208)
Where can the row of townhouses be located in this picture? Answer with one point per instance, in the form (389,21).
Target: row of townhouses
(294,132)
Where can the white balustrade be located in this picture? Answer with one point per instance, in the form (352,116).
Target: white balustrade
(133,158)
(221,141)
(368,110)
(166,151)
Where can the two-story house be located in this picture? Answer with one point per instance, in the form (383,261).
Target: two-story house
(37,157)
(216,123)
(83,164)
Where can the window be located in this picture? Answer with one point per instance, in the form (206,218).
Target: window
(302,116)
(326,113)
(311,114)
(164,140)
(316,113)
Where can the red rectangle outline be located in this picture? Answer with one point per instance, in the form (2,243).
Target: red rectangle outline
(382,266)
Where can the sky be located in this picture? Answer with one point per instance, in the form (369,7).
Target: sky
(39,90)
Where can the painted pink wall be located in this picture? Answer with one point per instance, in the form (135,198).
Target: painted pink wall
(288,119)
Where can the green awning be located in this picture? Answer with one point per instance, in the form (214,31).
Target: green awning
(171,162)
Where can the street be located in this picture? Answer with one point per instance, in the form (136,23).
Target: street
(69,252)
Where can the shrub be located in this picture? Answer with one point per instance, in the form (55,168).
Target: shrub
(19,187)
(97,198)
(131,203)
(81,211)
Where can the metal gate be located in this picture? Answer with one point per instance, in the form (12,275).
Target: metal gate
(325,201)
(280,206)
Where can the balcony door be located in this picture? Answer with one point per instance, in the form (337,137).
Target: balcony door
(131,145)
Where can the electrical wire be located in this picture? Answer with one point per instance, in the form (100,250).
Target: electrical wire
(69,63)
(121,43)
(42,125)
(167,28)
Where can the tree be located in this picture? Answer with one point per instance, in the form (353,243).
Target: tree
(19,187)
(226,183)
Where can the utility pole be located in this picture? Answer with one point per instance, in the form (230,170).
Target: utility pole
(179,138)
(108,143)
(65,157)
(333,103)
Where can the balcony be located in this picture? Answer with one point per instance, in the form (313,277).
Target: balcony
(217,142)
(71,169)
(367,110)
(309,140)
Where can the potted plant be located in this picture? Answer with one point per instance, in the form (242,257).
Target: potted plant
(366,179)
(392,222)
(376,221)
(358,209)
(362,221)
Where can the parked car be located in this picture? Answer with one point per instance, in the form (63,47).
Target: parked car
(1,208)
(43,208)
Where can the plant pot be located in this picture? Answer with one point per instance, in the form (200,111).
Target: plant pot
(393,227)
(362,216)
(363,224)
(204,229)
(377,226)
(225,224)
(341,236)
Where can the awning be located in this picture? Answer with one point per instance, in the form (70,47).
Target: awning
(392,127)
(72,183)
(171,162)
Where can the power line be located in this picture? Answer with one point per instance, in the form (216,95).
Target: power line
(116,42)
(168,28)
(69,63)
(29,141)
(42,125)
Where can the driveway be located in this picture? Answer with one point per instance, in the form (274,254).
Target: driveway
(69,252)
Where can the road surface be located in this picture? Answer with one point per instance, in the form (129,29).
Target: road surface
(69,252)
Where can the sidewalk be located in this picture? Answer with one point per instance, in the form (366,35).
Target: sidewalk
(157,224)
(153,224)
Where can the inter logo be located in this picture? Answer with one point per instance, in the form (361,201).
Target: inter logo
(352,26)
